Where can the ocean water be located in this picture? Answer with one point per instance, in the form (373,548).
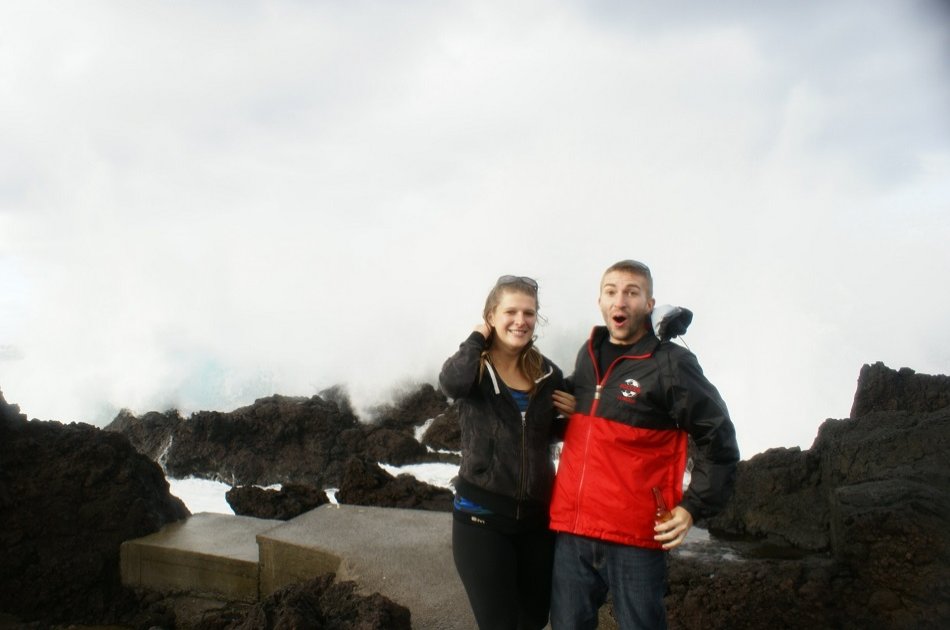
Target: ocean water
(201,495)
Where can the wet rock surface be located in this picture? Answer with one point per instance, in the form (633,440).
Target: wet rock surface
(317,603)
(445,432)
(365,483)
(751,594)
(281,439)
(411,408)
(866,507)
(883,389)
(284,504)
(276,440)
(70,494)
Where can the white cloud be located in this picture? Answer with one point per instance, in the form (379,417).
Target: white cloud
(201,204)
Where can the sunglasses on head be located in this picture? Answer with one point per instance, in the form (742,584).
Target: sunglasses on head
(516,280)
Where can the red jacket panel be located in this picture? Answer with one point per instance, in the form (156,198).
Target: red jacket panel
(605,478)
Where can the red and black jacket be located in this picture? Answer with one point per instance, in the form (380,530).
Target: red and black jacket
(629,434)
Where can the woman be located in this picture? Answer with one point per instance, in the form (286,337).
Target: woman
(509,400)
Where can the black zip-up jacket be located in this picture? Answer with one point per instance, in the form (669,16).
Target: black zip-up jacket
(506,460)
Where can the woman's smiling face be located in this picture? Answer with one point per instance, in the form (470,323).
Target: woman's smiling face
(514,319)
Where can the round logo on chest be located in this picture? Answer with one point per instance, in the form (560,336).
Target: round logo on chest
(630,388)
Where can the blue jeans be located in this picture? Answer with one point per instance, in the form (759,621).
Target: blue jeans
(585,569)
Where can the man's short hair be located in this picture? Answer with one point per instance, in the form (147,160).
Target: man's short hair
(634,267)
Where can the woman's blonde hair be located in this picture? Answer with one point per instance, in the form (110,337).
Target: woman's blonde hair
(530,361)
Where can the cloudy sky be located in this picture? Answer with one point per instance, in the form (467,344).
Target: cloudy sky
(202,203)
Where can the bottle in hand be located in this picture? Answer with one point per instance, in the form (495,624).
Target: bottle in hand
(662,512)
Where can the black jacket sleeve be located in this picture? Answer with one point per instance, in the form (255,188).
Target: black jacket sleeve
(698,408)
(460,371)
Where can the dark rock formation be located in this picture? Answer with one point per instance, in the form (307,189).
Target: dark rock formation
(365,483)
(871,498)
(69,496)
(151,434)
(779,501)
(883,389)
(276,440)
(751,594)
(412,408)
(392,439)
(392,447)
(319,603)
(445,432)
(284,504)
(282,439)
(338,396)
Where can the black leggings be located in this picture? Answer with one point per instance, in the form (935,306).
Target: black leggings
(507,576)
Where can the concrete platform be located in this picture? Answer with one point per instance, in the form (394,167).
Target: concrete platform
(214,554)
(406,555)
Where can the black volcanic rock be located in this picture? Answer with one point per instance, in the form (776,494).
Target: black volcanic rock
(339,396)
(753,593)
(883,389)
(281,439)
(412,408)
(284,504)
(151,434)
(319,603)
(445,432)
(69,496)
(365,483)
(275,440)
(278,439)
(392,447)
(779,501)
(871,497)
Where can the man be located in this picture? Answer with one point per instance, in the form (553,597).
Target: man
(639,397)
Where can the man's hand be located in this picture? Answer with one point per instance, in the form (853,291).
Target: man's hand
(564,402)
(484,329)
(673,532)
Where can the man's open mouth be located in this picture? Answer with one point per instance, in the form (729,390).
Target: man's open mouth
(619,319)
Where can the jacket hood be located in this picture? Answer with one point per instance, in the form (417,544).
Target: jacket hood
(546,366)
(670,321)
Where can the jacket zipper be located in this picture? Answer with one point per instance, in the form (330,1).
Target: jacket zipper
(598,391)
(523,486)
(593,409)
(524,456)
(524,461)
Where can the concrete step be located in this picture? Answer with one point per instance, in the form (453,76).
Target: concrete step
(213,554)
(406,555)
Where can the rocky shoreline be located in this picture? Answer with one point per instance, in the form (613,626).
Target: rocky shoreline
(850,533)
